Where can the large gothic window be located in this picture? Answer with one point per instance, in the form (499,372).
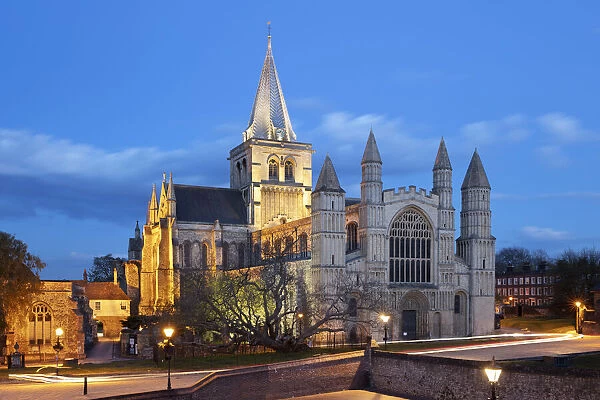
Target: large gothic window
(273,169)
(410,248)
(289,171)
(40,324)
(204,255)
(351,237)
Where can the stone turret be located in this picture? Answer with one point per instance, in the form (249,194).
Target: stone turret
(442,186)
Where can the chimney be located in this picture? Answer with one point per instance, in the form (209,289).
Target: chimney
(115,277)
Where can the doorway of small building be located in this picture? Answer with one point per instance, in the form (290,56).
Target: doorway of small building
(100,328)
(409,324)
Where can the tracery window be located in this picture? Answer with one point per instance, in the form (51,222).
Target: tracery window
(273,169)
(410,248)
(351,237)
(289,171)
(40,324)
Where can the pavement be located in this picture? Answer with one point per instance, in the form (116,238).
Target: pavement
(350,395)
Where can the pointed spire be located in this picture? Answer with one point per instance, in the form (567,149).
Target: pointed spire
(475,176)
(371,153)
(171,188)
(269,118)
(152,207)
(442,161)
(328,180)
(137,229)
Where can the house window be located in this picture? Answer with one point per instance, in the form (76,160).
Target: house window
(97,306)
(273,169)
(40,324)
(123,306)
(410,248)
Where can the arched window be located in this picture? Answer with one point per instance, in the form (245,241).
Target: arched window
(187,255)
(289,246)
(204,255)
(239,171)
(410,248)
(303,244)
(351,237)
(244,170)
(273,169)
(241,255)
(225,258)
(267,250)
(40,324)
(289,171)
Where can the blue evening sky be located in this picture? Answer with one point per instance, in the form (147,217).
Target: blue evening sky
(97,99)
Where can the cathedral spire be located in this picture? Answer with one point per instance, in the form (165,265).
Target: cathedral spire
(269,118)
(442,161)
(137,229)
(371,153)
(475,176)
(152,215)
(328,180)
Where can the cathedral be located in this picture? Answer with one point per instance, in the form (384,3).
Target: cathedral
(404,239)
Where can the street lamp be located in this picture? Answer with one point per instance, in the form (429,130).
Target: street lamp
(385,319)
(168,347)
(58,346)
(577,317)
(493,374)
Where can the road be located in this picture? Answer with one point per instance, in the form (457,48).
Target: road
(524,349)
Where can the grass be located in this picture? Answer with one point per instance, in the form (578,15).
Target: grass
(540,324)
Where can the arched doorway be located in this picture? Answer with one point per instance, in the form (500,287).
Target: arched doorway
(460,314)
(413,311)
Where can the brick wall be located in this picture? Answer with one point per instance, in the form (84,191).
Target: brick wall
(422,377)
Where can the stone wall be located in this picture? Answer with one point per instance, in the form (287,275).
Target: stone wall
(423,377)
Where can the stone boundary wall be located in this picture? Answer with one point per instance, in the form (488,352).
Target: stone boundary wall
(420,377)
(275,381)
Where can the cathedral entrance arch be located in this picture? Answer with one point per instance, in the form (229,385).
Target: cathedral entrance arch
(414,322)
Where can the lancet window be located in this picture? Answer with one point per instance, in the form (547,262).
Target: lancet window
(289,171)
(410,248)
(273,169)
(351,237)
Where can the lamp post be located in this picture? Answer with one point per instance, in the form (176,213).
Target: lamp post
(58,346)
(577,312)
(385,319)
(168,347)
(493,374)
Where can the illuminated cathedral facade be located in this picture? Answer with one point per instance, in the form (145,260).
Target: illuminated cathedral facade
(434,284)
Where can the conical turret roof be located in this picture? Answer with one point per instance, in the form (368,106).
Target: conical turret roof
(442,161)
(475,176)
(371,153)
(328,180)
(269,118)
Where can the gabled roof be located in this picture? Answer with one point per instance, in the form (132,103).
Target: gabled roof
(475,176)
(442,161)
(328,180)
(269,118)
(104,291)
(371,153)
(207,204)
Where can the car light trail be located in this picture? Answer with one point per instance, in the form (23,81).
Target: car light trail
(43,378)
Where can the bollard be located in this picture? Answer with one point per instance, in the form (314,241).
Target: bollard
(85,385)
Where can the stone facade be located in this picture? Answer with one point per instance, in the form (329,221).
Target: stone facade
(403,239)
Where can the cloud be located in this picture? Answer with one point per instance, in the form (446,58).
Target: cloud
(306,103)
(512,128)
(43,173)
(537,233)
(563,127)
(552,156)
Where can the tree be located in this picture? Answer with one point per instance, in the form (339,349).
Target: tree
(512,256)
(19,278)
(271,305)
(577,274)
(102,269)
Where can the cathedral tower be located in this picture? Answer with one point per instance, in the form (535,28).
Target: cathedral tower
(442,186)
(476,245)
(273,171)
(371,229)
(328,226)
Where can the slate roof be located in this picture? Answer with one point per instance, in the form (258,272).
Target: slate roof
(207,204)
(104,291)
(442,161)
(371,153)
